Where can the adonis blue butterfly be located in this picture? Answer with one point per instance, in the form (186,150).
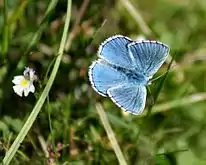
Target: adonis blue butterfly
(124,69)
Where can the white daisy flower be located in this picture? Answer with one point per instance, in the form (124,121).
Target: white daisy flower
(24,83)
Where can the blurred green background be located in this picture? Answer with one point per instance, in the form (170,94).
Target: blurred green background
(68,128)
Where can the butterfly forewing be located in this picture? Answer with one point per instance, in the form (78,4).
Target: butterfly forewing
(114,50)
(148,56)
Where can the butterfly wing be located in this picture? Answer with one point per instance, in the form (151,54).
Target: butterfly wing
(148,56)
(115,51)
(103,76)
(131,98)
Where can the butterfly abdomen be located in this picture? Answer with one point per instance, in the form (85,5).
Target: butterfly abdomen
(137,78)
(132,76)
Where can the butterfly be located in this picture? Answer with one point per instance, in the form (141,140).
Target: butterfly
(124,69)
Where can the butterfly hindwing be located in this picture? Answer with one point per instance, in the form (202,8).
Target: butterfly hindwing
(115,51)
(103,76)
(148,56)
(129,97)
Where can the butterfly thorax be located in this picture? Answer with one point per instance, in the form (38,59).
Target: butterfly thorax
(136,78)
(133,76)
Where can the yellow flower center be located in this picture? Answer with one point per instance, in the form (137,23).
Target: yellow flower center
(24,83)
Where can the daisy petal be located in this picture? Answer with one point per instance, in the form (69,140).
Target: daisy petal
(26,91)
(17,79)
(18,90)
(32,88)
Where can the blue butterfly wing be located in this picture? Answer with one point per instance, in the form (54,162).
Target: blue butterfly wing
(148,56)
(131,98)
(115,51)
(103,76)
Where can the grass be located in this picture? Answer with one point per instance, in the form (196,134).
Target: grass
(16,144)
(77,126)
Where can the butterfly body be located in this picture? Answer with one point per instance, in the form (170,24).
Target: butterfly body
(132,76)
(125,68)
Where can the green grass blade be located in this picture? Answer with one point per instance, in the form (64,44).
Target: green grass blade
(111,135)
(137,17)
(38,33)
(18,12)
(14,147)
(5,34)
(155,96)
(178,103)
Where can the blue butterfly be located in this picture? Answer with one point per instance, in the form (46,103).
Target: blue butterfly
(124,68)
